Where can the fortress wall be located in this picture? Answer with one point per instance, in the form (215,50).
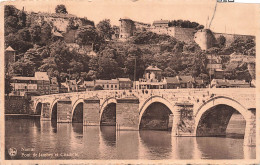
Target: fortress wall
(184,34)
(60,22)
(162,30)
(232,37)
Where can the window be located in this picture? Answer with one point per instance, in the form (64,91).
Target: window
(107,86)
(112,86)
(115,86)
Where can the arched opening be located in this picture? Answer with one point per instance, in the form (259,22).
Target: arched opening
(77,116)
(221,120)
(108,116)
(54,113)
(38,109)
(156,117)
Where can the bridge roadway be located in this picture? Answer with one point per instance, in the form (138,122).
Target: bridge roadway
(194,112)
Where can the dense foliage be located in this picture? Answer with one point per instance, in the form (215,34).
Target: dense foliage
(39,51)
(185,24)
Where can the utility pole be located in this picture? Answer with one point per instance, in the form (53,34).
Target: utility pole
(135,74)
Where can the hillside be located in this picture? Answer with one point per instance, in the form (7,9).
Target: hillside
(66,46)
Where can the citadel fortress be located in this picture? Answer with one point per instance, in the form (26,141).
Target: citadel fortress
(205,38)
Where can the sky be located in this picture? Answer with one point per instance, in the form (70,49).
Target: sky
(231,18)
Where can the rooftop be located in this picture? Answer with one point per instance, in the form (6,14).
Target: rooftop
(179,79)
(107,81)
(161,22)
(229,82)
(124,79)
(125,18)
(23,78)
(154,68)
(10,49)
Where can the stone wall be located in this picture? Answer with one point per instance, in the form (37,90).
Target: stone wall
(91,109)
(232,37)
(58,21)
(184,34)
(127,113)
(64,112)
(16,105)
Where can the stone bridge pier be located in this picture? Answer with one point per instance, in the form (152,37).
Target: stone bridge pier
(184,113)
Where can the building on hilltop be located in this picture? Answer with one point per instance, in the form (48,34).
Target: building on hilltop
(127,28)
(161,23)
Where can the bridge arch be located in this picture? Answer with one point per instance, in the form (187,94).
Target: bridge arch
(152,100)
(77,111)
(38,108)
(228,105)
(108,112)
(53,109)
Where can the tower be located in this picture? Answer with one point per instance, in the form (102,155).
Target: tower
(127,28)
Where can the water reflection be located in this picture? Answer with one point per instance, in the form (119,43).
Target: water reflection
(229,148)
(127,144)
(94,142)
(155,144)
(108,134)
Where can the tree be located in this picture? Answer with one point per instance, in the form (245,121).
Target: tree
(35,32)
(104,29)
(92,75)
(18,44)
(10,10)
(23,67)
(61,9)
(221,41)
(108,67)
(86,35)
(49,65)
(169,72)
(46,33)
(21,18)
(34,55)
(75,68)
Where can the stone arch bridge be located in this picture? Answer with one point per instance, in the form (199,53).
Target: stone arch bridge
(186,112)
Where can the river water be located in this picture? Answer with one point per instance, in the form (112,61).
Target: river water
(35,139)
